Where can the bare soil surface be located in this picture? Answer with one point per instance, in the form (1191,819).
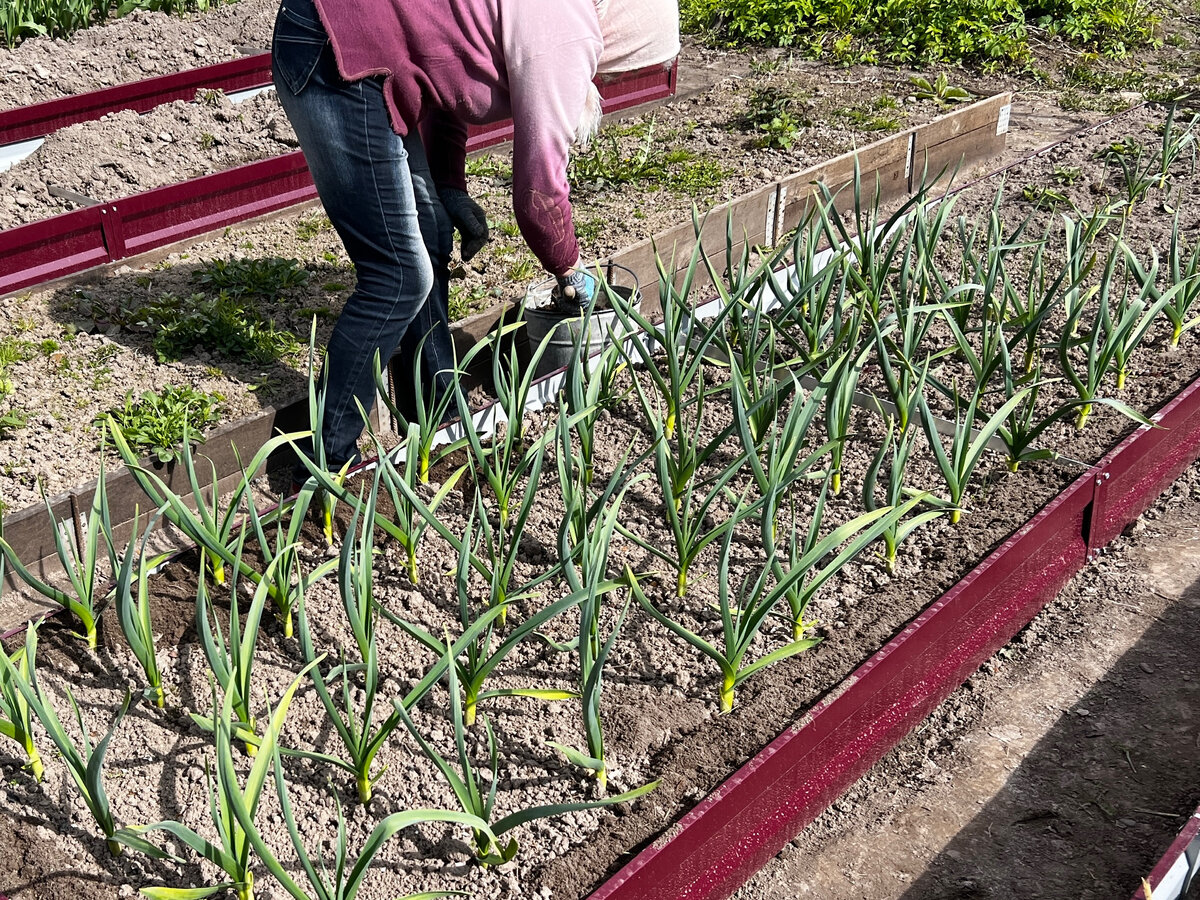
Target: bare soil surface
(132,48)
(86,349)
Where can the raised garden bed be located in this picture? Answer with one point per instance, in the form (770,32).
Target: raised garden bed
(964,137)
(871,605)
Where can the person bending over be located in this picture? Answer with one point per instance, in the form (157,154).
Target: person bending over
(380,93)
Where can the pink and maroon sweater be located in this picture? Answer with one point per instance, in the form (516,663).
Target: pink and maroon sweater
(452,63)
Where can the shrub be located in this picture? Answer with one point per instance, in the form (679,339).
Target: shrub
(922,30)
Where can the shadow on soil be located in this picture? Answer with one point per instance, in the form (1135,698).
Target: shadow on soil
(1097,802)
(235,317)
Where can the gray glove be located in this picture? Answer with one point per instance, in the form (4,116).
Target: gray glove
(575,291)
(468,217)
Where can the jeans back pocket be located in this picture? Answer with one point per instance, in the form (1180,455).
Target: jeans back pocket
(298,41)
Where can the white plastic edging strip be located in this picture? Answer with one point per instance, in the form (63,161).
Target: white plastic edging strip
(1182,872)
(11,154)
(242,96)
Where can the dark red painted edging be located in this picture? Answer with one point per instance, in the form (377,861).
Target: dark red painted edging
(27,122)
(1144,464)
(1187,835)
(721,843)
(75,241)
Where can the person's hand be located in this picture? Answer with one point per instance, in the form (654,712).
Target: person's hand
(575,290)
(468,217)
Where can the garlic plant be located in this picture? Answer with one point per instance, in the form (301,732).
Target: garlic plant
(89,591)
(85,763)
(1182,275)
(231,658)
(745,615)
(16,722)
(428,414)
(361,726)
(1085,360)
(584,539)
(479,657)
(132,601)
(476,792)
(967,444)
(212,526)
(892,457)
(690,499)
(406,464)
(233,808)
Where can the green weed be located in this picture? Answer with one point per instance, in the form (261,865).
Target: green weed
(154,422)
(267,277)
(222,324)
(310,226)
(605,163)
(773,117)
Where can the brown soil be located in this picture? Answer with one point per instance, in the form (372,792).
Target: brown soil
(659,702)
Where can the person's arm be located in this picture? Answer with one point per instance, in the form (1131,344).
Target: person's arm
(445,138)
(551,51)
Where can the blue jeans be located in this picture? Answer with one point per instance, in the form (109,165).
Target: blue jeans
(380,197)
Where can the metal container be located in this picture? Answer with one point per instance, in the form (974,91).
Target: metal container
(563,332)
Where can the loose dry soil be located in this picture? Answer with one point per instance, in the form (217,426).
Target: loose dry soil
(659,703)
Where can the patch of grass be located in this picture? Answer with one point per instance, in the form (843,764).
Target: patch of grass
(587,231)
(154,422)
(223,324)
(694,175)
(880,114)
(310,226)
(1076,101)
(489,166)
(14,350)
(463,302)
(508,228)
(523,270)
(649,160)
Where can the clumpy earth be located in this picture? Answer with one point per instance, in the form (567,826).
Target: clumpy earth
(85,345)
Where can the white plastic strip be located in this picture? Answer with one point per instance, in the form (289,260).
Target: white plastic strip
(11,154)
(242,96)
(1183,871)
(772,201)
(1002,121)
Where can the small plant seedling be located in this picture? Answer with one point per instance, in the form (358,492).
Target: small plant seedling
(155,422)
(1044,197)
(940,89)
(310,226)
(772,116)
(1066,175)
